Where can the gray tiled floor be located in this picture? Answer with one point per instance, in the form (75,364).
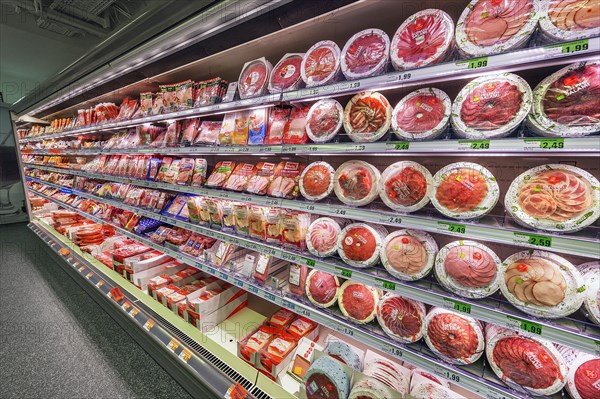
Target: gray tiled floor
(51,332)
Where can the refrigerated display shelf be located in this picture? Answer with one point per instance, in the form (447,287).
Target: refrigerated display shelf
(511,61)
(493,229)
(570,332)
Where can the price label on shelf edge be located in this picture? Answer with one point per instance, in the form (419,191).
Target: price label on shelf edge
(532,239)
(386,285)
(457,306)
(173,345)
(543,143)
(345,273)
(398,146)
(185,355)
(570,47)
(149,324)
(473,145)
(524,325)
(452,227)
(473,63)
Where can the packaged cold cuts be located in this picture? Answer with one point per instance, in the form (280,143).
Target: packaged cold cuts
(408,254)
(406,186)
(286,75)
(257,126)
(454,337)
(240,177)
(387,372)
(583,380)
(401,318)
(316,181)
(554,197)
(423,114)
(358,244)
(277,121)
(259,183)
(356,183)
(494,26)
(326,378)
(253,78)
(295,128)
(464,190)
(568,20)
(527,364)
(542,284)
(220,174)
(285,181)
(358,302)
(565,104)
(370,387)
(468,268)
(321,64)
(591,275)
(367,117)
(491,106)
(344,353)
(425,38)
(324,120)
(322,288)
(322,237)
(367,53)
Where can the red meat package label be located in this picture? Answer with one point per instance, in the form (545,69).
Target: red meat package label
(291,169)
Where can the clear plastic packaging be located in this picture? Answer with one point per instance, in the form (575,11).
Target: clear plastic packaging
(591,276)
(254,77)
(316,181)
(367,117)
(321,64)
(406,186)
(423,114)
(324,120)
(359,244)
(408,254)
(569,20)
(358,302)
(322,237)
(356,183)
(365,54)
(322,288)
(286,75)
(400,318)
(295,128)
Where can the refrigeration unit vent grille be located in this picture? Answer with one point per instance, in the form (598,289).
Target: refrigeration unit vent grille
(259,393)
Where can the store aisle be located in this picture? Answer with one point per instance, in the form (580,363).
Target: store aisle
(56,342)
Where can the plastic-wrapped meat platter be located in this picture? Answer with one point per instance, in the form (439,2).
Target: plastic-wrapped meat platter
(491,106)
(567,20)
(425,38)
(583,378)
(286,74)
(388,372)
(423,114)
(591,275)
(322,237)
(344,353)
(565,104)
(406,186)
(356,183)
(366,54)
(401,318)
(322,288)
(468,268)
(358,302)
(527,364)
(542,284)
(554,197)
(408,254)
(359,244)
(326,379)
(454,337)
(321,64)
(494,26)
(367,117)
(324,120)
(371,388)
(316,181)
(253,78)
(464,190)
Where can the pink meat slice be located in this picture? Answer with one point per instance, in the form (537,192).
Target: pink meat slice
(421,40)
(462,190)
(587,379)
(406,254)
(493,22)
(322,287)
(324,119)
(470,266)
(420,114)
(324,236)
(491,105)
(453,336)
(365,53)
(401,317)
(574,15)
(358,301)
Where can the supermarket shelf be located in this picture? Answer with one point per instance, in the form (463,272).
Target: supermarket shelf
(567,332)
(512,61)
(491,229)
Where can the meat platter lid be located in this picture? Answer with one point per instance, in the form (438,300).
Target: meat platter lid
(327,378)
(322,236)
(591,275)
(408,254)
(324,120)
(321,278)
(580,24)
(565,104)
(542,284)
(406,186)
(368,387)
(468,268)
(582,379)
(286,75)
(423,114)
(365,54)
(494,26)
(491,106)
(472,190)
(554,197)
(316,181)
(423,38)
(254,78)
(321,64)
(358,302)
(359,245)
(367,117)
(406,325)
(356,182)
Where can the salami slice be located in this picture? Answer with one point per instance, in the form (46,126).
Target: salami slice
(358,302)
(423,114)
(321,64)
(286,75)
(366,54)
(359,245)
(324,120)
(356,183)
(367,117)
(322,288)
(405,186)
(401,318)
(253,78)
(567,20)
(584,376)
(316,181)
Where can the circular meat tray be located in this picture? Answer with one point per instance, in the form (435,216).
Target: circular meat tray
(554,197)
(356,183)
(468,268)
(387,372)
(286,74)
(401,318)
(366,54)
(321,64)
(565,104)
(568,20)
(423,114)
(253,78)
(464,190)
(591,275)
(491,106)
(542,284)
(370,387)
(528,364)
(408,254)
(358,302)
(324,120)
(367,117)
(359,244)
(344,353)
(326,378)
(582,380)
(322,237)
(316,181)
(494,26)
(454,337)
(425,38)
(405,186)
(322,288)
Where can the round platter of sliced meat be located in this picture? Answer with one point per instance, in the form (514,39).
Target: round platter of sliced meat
(253,78)
(567,20)
(367,117)
(356,183)
(583,377)
(324,120)
(554,197)
(366,54)
(408,254)
(401,318)
(358,302)
(321,64)
(405,186)
(591,275)
(359,243)
(423,114)
(286,74)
